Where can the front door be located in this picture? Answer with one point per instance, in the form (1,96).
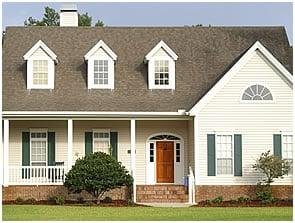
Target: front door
(165,162)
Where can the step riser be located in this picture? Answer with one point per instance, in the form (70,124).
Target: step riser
(162,194)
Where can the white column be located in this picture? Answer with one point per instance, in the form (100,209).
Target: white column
(196,152)
(133,156)
(70,143)
(6,153)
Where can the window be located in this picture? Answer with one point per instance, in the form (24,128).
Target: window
(40,72)
(101,76)
(161,72)
(257,92)
(101,141)
(287,147)
(161,67)
(164,137)
(101,67)
(177,152)
(152,152)
(40,66)
(38,148)
(224,154)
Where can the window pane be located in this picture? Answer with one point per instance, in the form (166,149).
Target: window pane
(101,76)
(257,92)
(161,72)
(40,72)
(224,154)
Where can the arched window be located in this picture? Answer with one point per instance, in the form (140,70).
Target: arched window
(164,137)
(257,92)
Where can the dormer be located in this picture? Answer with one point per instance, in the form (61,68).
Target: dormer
(100,61)
(161,67)
(40,66)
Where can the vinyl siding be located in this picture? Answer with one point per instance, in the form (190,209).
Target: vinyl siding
(40,53)
(257,122)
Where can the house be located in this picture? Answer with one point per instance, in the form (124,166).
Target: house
(170,102)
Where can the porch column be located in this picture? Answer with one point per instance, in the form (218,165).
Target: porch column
(6,153)
(196,149)
(70,143)
(133,156)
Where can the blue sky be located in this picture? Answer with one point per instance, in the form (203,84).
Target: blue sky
(165,14)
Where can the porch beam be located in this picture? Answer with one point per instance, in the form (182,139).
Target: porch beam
(6,153)
(133,156)
(70,143)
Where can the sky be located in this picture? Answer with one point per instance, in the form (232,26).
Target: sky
(165,14)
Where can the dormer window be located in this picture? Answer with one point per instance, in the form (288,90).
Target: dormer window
(161,67)
(101,61)
(40,67)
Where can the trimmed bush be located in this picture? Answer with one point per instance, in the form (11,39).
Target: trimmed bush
(217,200)
(97,173)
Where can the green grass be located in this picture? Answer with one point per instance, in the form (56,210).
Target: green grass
(45,212)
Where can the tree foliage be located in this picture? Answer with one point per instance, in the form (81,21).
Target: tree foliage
(272,167)
(51,18)
(99,23)
(97,173)
(84,19)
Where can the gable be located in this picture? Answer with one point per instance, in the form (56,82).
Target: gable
(265,63)
(100,52)
(39,53)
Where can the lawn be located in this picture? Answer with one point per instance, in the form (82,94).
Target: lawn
(46,212)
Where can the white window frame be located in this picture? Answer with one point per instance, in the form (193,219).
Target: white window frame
(282,144)
(111,78)
(232,153)
(171,75)
(30,84)
(46,145)
(101,131)
(273,101)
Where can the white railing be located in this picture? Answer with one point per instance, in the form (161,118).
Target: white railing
(36,175)
(191,186)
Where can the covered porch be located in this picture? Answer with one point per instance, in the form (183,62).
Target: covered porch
(156,151)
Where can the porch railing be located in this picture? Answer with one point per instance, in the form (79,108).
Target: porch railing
(37,175)
(191,186)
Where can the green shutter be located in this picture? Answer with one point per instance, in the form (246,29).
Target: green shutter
(114,144)
(25,154)
(277,145)
(88,143)
(238,155)
(51,148)
(211,154)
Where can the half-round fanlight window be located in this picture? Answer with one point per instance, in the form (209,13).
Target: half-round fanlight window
(164,137)
(257,92)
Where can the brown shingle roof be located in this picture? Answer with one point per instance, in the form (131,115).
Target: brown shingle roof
(204,55)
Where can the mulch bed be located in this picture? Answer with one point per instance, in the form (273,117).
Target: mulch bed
(253,203)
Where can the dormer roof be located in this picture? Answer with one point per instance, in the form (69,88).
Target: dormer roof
(43,46)
(165,47)
(101,44)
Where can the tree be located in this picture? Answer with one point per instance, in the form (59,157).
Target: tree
(99,23)
(97,173)
(272,167)
(50,18)
(84,20)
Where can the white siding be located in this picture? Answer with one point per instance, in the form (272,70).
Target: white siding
(40,53)
(101,53)
(257,122)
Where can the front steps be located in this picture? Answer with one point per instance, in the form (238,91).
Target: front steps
(161,194)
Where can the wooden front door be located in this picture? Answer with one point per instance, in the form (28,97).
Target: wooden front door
(165,162)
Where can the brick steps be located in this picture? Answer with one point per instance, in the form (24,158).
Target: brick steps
(161,194)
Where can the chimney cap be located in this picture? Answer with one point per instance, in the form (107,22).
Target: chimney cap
(68,7)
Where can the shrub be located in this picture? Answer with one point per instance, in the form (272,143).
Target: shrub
(19,200)
(97,173)
(58,199)
(217,200)
(209,202)
(272,167)
(243,199)
(31,201)
(107,200)
(81,200)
